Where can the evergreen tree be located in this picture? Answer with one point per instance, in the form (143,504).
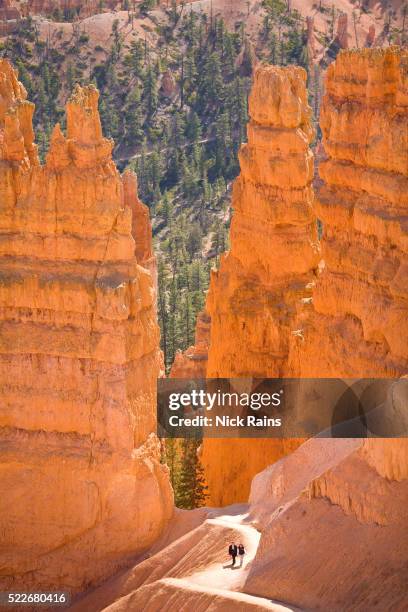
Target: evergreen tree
(133,117)
(150,92)
(223,143)
(193,128)
(162,307)
(134,59)
(172,460)
(192,490)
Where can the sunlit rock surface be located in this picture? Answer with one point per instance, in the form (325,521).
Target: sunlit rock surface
(267,275)
(81,482)
(333,514)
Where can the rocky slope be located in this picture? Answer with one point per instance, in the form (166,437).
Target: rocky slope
(323,530)
(333,530)
(341,23)
(192,570)
(79,356)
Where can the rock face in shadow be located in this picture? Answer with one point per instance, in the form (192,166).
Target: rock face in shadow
(141,225)
(82,486)
(268,273)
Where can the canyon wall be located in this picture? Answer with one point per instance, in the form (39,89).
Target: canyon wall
(333,515)
(271,314)
(359,325)
(268,273)
(82,486)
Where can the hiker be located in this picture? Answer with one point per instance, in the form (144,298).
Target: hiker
(241,552)
(233,551)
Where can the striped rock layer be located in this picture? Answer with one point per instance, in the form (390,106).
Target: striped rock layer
(80,479)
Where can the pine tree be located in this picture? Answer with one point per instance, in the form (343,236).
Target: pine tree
(193,130)
(172,460)
(162,307)
(223,143)
(194,240)
(166,207)
(133,117)
(192,490)
(135,57)
(200,486)
(150,92)
(210,86)
(172,343)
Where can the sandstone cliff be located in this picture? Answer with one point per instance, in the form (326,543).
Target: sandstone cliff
(268,273)
(359,324)
(82,486)
(357,327)
(332,515)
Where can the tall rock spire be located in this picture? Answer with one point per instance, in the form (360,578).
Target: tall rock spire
(273,233)
(358,326)
(17,135)
(268,273)
(79,357)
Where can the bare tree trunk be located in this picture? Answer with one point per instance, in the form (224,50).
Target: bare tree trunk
(355,28)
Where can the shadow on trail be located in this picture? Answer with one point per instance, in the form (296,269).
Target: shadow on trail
(230,566)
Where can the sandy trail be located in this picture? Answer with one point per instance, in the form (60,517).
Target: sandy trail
(191,572)
(226,576)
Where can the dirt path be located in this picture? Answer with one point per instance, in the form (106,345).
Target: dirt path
(193,572)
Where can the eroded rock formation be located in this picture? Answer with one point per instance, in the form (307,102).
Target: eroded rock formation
(359,323)
(268,270)
(168,85)
(193,362)
(81,482)
(9,17)
(334,530)
(268,273)
(82,8)
(141,225)
(351,520)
